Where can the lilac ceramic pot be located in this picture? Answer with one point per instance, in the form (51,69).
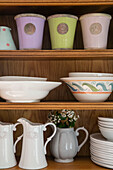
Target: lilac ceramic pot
(30,30)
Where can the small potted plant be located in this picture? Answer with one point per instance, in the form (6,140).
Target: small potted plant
(64,146)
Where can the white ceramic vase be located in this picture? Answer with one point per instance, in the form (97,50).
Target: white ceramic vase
(95,28)
(64,146)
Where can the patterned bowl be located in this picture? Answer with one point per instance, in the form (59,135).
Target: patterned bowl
(90,89)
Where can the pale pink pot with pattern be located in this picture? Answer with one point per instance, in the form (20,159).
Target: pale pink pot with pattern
(30,30)
(95,27)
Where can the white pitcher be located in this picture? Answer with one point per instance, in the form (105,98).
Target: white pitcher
(64,146)
(33,148)
(7,157)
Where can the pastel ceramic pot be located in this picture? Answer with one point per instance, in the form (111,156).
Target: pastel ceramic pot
(6,40)
(89,74)
(30,30)
(95,28)
(90,89)
(26,91)
(64,146)
(62,30)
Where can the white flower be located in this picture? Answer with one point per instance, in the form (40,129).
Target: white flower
(70,115)
(71,120)
(75,118)
(63,114)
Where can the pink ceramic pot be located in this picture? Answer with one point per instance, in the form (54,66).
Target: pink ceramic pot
(30,30)
(95,27)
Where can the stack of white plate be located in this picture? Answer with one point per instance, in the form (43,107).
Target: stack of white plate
(106,127)
(101,150)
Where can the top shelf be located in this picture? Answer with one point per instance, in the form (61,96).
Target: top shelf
(54,2)
(57,54)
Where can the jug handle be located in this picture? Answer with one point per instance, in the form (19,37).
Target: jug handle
(18,139)
(77,134)
(48,139)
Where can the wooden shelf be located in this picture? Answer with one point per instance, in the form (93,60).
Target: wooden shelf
(57,54)
(79,164)
(56,106)
(53,2)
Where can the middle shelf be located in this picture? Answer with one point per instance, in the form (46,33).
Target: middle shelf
(57,54)
(56,106)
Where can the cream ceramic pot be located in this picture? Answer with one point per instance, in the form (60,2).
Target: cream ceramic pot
(95,27)
(7,157)
(64,146)
(33,148)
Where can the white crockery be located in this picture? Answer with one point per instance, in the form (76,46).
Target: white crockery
(102,155)
(21,78)
(99,139)
(105,119)
(90,89)
(102,160)
(102,164)
(33,147)
(26,91)
(105,126)
(89,74)
(101,148)
(7,157)
(105,123)
(107,133)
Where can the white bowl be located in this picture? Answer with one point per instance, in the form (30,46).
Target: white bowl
(105,119)
(105,126)
(26,91)
(107,133)
(90,89)
(89,74)
(21,78)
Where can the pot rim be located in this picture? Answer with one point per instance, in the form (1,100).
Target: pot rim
(95,15)
(62,15)
(30,15)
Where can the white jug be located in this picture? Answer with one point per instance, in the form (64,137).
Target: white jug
(7,157)
(33,148)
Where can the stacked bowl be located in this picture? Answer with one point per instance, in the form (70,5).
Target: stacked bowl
(101,150)
(106,127)
(25,89)
(90,87)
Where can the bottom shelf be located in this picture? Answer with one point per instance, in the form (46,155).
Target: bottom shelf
(80,163)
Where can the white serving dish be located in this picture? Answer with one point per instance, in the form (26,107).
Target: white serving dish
(100,140)
(26,91)
(107,133)
(101,148)
(102,164)
(90,89)
(21,78)
(89,74)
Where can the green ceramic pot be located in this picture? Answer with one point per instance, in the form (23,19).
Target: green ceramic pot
(62,30)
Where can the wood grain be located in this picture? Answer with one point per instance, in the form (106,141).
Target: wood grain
(54,65)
